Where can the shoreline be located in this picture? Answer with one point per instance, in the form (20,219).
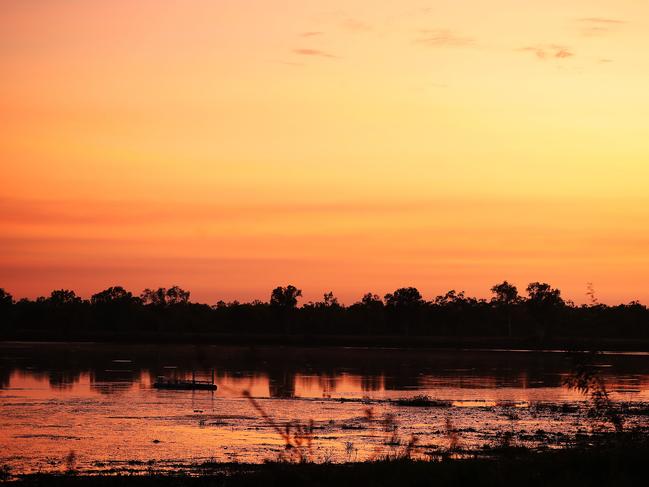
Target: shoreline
(476,343)
(619,462)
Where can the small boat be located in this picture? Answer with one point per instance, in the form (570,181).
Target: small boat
(185,385)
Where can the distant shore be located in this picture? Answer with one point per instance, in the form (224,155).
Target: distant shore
(370,341)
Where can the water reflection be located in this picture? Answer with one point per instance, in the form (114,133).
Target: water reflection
(301,372)
(97,400)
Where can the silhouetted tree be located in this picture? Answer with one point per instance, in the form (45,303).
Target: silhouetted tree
(542,295)
(115,307)
(63,314)
(285,297)
(372,301)
(453,308)
(450,298)
(6,303)
(505,298)
(329,301)
(403,298)
(372,308)
(63,297)
(176,295)
(544,303)
(404,304)
(154,297)
(112,295)
(165,297)
(504,294)
(283,301)
(6,299)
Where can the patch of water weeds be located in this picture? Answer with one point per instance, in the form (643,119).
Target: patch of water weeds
(422,401)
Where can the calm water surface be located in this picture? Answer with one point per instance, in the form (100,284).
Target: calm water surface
(96,400)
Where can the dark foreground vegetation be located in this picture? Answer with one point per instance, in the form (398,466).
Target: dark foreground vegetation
(542,316)
(619,463)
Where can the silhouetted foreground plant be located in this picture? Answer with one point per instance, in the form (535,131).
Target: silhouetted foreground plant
(452,435)
(71,463)
(5,473)
(298,438)
(586,380)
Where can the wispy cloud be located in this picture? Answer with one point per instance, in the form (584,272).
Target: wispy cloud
(357,25)
(601,20)
(598,26)
(444,38)
(314,52)
(563,53)
(549,51)
(311,34)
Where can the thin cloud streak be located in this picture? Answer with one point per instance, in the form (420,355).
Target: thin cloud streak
(549,51)
(601,20)
(357,25)
(599,26)
(444,38)
(314,52)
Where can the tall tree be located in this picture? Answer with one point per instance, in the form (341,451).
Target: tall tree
(285,297)
(165,297)
(283,301)
(176,295)
(404,305)
(544,303)
(63,297)
(6,299)
(6,303)
(329,301)
(112,295)
(505,297)
(404,297)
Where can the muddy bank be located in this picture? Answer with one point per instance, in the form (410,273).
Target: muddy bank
(620,462)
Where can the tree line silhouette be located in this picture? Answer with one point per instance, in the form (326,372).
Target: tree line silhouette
(541,314)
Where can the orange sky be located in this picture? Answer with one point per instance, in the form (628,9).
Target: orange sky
(234,145)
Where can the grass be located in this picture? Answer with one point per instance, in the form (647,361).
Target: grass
(621,462)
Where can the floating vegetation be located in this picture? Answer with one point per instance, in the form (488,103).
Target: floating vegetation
(422,401)
(563,408)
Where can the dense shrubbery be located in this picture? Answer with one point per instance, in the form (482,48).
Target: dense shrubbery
(542,314)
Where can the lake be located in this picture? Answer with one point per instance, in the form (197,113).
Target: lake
(91,406)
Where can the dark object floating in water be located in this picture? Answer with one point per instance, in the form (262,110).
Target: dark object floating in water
(185,385)
(423,402)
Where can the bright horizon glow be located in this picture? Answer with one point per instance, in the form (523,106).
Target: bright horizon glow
(353,146)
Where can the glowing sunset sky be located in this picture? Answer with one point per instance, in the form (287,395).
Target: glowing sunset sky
(229,146)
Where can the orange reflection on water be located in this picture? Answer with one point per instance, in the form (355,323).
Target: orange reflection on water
(98,401)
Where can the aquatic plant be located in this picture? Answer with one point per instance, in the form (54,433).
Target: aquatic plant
(71,463)
(452,435)
(588,381)
(5,473)
(350,451)
(422,401)
(298,437)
